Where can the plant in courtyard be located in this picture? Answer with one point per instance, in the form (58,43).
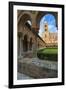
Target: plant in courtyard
(48,54)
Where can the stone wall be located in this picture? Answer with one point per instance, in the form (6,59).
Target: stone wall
(36,40)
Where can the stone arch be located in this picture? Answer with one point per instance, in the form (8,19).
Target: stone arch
(43,13)
(22,21)
(24,16)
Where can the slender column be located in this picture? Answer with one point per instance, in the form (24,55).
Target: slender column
(28,46)
(28,42)
(19,43)
(20,46)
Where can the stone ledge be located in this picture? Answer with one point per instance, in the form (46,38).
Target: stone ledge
(41,63)
(35,71)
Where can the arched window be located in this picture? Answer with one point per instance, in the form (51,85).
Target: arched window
(50,20)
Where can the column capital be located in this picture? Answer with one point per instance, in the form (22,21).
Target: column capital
(35,28)
(20,34)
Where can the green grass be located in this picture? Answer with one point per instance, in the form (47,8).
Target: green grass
(49,51)
(48,54)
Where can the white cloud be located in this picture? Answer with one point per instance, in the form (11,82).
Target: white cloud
(52,28)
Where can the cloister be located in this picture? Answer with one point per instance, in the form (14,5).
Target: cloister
(28,38)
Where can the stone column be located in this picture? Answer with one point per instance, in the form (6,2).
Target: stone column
(19,44)
(28,41)
(28,46)
(36,29)
(34,48)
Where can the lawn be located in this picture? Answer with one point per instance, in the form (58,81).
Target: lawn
(49,50)
(48,54)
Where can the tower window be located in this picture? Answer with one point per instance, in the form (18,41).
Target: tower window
(45,29)
(45,25)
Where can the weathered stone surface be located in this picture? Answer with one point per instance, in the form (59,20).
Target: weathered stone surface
(35,71)
(21,76)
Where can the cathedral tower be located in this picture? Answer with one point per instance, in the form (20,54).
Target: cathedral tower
(46,33)
(46,27)
(50,38)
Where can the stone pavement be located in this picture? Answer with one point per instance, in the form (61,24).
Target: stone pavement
(35,68)
(21,76)
(41,63)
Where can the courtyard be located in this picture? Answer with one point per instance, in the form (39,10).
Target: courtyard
(37,44)
(34,68)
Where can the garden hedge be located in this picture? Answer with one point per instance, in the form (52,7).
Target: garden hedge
(47,56)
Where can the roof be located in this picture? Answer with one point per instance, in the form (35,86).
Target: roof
(33,31)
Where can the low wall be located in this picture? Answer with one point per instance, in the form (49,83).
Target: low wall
(35,71)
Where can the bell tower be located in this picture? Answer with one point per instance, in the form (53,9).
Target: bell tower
(46,27)
(46,33)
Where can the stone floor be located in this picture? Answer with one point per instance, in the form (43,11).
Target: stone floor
(21,76)
(29,67)
(41,63)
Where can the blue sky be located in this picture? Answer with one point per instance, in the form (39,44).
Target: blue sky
(50,19)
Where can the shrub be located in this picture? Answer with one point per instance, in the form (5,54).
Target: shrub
(47,55)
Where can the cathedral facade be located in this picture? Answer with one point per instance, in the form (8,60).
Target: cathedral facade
(50,38)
